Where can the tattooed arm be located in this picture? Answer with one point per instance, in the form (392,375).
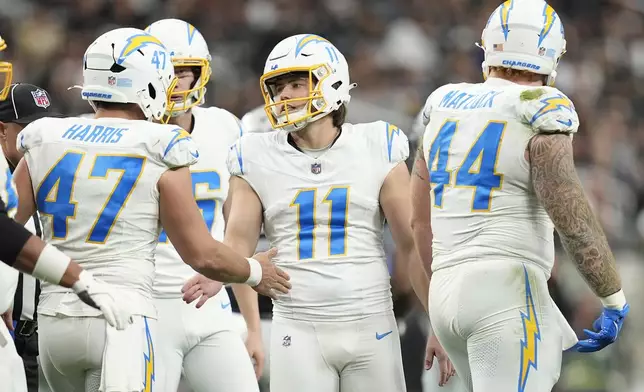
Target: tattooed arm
(557,186)
(420,272)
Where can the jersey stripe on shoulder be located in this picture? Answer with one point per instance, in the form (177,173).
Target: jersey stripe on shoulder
(392,131)
(180,135)
(237,147)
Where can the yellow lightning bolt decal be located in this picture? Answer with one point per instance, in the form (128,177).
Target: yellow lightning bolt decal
(549,17)
(505,17)
(391,131)
(531,335)
(551,104)
(136,42)
(307,40)
(149,360)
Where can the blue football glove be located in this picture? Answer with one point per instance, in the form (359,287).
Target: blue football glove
(607,327)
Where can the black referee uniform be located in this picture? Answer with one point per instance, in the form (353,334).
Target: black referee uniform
(25,103)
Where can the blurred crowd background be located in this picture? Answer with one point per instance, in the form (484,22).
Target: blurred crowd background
(398,52)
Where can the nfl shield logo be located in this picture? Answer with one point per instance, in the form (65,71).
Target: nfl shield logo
(111,80)
(40,98)
(316,168)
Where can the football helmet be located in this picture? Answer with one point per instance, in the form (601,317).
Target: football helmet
(328,80)
(119,66)
(525,35)
(187,48)
(6,73)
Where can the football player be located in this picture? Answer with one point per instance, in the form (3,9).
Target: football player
(322,189)
(102,187)
(26,252)
(499,158)
(203,340)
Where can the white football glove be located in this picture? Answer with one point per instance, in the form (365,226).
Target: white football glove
(99,295)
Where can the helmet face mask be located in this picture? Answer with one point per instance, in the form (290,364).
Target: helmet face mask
(323,69)
(525,35)
(187,48)
(120,67)
(310,105)
(6,73)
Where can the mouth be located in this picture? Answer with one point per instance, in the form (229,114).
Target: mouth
(290,108)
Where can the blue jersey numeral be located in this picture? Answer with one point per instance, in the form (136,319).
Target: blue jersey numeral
(477,171)
(55,194)
(208,206)
(305,203)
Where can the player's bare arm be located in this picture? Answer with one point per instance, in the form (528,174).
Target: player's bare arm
(243,216)
(26,202)
(559,189)
(186,229)
(243,225)
(394,201)
(420,271)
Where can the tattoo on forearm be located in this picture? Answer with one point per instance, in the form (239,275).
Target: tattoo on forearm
(419,169)
(558,188)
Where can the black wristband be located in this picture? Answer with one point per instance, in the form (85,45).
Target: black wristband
(13,237)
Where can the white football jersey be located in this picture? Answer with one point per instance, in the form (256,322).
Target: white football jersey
(214,131)
(95,184)
(483,204)
(8,275)
(324,217)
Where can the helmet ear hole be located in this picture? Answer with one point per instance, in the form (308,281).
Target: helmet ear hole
(152,91)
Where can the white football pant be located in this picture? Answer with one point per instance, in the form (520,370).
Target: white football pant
(204,343)
(498,324)
(358,356)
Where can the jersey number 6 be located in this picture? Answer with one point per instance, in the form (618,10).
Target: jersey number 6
(478,169)
(208,206)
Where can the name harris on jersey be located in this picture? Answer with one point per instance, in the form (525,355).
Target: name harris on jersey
(94,133)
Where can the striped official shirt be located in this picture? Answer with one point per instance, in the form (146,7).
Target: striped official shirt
(25,300)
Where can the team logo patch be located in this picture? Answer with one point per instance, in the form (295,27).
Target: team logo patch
(111,80)
(316,168)
(40,98)
(286,341)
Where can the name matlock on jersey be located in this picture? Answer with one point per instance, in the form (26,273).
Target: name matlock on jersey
(215,130)
(324,217)
(95,184)
(474,145)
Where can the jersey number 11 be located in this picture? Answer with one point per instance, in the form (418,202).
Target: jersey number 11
(305,203)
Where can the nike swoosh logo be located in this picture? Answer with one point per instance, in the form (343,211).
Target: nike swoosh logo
(306,55)
(195,154)
(224,306)
(566,123)
(382,336)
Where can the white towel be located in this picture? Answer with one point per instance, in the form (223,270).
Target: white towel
(568,335)
(128,358)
